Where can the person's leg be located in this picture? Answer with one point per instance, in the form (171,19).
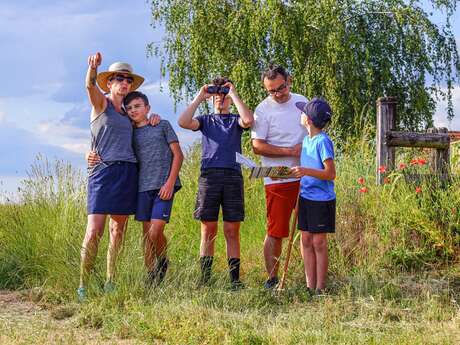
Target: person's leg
(309,259)
(149,257)
(157,237)
(272,253)
(232,239)
(94,232)
(117,228)
(280,202)
(208,236)
(320,248)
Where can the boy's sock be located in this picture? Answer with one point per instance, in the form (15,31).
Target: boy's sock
(234,269)
(162,267)
(206,267)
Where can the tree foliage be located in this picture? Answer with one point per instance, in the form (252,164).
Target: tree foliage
(350,52)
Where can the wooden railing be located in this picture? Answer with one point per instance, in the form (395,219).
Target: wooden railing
(438,139)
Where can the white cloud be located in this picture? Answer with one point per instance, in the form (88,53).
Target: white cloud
(60,134)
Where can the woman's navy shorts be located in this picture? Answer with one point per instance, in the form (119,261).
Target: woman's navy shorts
(113,189)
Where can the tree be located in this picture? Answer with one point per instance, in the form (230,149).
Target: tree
(350,52)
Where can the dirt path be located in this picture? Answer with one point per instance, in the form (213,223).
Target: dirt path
(24,322)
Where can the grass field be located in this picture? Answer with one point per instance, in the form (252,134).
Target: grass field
(394,264)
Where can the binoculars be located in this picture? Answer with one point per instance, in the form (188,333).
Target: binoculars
(217,89)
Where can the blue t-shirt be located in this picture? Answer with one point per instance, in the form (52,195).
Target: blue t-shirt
(220,140)
(314,152)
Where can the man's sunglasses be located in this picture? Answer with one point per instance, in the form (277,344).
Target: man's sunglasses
(120,78)
(281,88)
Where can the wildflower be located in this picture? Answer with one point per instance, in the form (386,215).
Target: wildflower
(363,190)
(361,180)
(421,161)
(382,169)
(418,190)
(414,162)
(402,166)
(386,180)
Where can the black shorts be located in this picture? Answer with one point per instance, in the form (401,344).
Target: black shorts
(220,187)
(316,216)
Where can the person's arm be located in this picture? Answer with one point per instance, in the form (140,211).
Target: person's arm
(246,116)
(96,97)
(186,119)
(261,147)
(328,173)
(167,190)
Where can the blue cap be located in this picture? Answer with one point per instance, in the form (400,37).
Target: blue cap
(318,110)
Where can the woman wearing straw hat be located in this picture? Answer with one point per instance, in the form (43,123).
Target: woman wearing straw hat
(112,183)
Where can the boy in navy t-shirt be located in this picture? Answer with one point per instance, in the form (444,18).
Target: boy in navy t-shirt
(220,183)
(316,216)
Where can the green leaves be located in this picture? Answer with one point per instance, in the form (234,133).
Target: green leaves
(350,52)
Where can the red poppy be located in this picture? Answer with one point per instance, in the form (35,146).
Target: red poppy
(382,169)
(414,162)
(363,190)
(402,166)
(386,180)
(421,161)
(418,190)
(361,180)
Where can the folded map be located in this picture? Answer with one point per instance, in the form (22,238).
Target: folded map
(258,171)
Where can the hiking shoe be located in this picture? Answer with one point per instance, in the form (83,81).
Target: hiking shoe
(271,283)
(109,287)
(81,294)
(236,285)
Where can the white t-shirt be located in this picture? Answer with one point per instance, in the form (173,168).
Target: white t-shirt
(279,124)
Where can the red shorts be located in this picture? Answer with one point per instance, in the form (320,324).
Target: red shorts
(280,200)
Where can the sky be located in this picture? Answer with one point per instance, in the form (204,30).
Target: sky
(44,49)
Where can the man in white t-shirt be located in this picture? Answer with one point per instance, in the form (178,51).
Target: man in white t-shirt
(277,136)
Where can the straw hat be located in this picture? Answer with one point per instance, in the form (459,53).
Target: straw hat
(119,67)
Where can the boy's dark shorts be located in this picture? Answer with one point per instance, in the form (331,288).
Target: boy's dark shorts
(220,187)
(150,206)
(316,216)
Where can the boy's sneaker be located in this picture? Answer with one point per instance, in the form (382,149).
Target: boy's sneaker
(81,294)
(109,287)
(320,292)
(271,283)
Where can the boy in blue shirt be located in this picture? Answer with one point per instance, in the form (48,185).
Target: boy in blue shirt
(316,216)
(220,183)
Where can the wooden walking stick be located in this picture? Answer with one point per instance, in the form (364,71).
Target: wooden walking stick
(291,240)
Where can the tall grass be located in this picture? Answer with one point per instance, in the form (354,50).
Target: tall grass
(394,274)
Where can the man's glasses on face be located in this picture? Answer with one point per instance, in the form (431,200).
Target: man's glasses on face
(279,89)
(120,78)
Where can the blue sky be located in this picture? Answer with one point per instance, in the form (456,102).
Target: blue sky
(44,49)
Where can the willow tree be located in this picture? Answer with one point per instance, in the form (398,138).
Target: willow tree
(350,52)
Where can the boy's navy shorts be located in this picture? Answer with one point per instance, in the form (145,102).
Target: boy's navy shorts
(113,189)
(316,216)
(150,206)
(220,187)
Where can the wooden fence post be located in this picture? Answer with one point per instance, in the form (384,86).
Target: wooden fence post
(386,121)
(440,158)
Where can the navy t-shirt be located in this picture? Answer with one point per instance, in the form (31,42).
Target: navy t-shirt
(220,141)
